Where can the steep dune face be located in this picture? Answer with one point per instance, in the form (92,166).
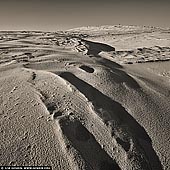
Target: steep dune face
(69,101)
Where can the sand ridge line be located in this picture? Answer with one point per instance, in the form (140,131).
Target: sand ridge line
(74,157)
(90,94)
(51,107)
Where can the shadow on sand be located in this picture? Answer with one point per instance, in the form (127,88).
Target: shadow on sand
(103,101)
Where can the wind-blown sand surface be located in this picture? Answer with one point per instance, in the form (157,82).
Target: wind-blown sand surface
(88,98)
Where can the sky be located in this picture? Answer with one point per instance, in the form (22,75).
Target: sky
(53,15)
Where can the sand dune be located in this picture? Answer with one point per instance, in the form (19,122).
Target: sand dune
(87,98)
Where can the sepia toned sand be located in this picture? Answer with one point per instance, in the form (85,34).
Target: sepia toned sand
(91,98)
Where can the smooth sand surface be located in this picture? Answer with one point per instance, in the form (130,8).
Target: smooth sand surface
(91,98)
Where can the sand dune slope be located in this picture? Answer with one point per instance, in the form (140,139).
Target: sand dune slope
(73,101)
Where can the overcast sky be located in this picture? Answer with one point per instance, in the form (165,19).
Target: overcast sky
(53,15)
